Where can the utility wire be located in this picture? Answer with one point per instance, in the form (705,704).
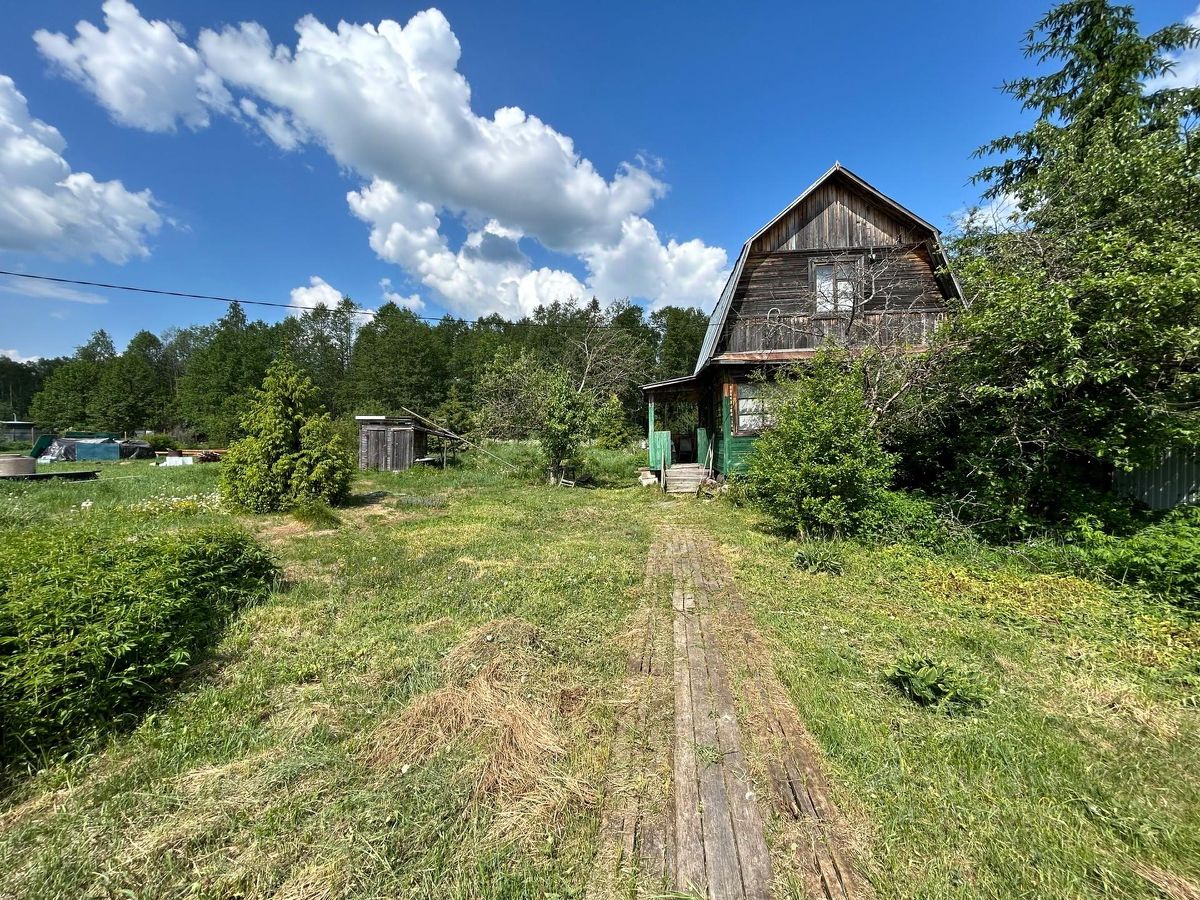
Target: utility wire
(186,295)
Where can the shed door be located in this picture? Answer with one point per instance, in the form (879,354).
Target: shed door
(372,449)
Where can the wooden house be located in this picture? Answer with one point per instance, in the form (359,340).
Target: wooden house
(842,264)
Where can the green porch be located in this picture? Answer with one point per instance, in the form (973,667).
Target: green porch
(693,423)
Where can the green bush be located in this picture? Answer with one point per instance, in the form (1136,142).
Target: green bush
(160,442)
(819,558)
(92,626)
(292,454)
(900,517)
(932,682)
(565,422)
(612,430)
(819,465)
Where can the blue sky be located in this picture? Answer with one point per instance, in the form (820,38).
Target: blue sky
(662,139)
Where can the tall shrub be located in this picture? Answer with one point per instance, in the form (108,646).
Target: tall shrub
(565,421)
(819,465)
(292,454)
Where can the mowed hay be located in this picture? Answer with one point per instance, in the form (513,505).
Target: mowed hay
(1171,885)
(512,643)
(489,704)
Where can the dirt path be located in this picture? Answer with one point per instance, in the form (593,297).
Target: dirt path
(713,789)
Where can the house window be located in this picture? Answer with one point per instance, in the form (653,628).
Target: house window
(750,411)
(835,286)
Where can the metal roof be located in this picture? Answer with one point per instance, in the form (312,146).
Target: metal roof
(681,381)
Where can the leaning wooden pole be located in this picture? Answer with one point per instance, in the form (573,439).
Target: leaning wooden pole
(458,437)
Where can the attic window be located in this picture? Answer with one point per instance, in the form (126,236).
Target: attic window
(835,286)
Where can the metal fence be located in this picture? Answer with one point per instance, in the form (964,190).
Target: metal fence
(1172,481)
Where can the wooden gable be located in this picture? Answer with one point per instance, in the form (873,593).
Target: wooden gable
(768,311)
(836,213)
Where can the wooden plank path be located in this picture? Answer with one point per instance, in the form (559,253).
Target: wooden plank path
(684,810)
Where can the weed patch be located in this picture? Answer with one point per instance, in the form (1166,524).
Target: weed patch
(819,558)
(936,683)
(93,626)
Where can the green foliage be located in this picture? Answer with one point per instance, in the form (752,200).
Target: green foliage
(132,391)
(611,468)
(819,558)
(292,454)
(510,395)
(398,361)
(1163,556)
(455,413)
(214,392)
(20,382)
(680,334)
(611,427)
(902,517)
(928,681)
(1074,355)
(565,421)
(819,465)
(160,442)
(1106,65)
(62,403)
(92,624)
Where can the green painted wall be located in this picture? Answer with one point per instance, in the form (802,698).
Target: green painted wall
(733,448)
(660,449)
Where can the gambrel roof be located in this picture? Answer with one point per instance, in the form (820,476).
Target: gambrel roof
(774,236)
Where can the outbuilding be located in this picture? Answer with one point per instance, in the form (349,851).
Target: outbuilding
(395,443)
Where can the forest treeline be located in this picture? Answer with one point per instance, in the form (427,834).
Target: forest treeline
(197,381)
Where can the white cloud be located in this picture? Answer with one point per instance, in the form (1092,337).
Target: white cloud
(387,102)
(139,70)
(1186,69)
(488,273)
(640,265)
(411,301)
(318,292)
(17,357)
(49,290)
(998,214)
(47,208)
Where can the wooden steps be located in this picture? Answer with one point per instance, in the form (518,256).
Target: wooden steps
(684,478)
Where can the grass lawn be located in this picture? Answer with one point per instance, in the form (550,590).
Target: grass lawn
(424,707)
(1078,777)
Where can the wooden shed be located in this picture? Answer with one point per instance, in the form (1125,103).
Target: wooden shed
(396,443)
(389,443)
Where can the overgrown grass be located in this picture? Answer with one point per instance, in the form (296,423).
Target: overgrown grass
(423,707)
(1077,777)
(287,763)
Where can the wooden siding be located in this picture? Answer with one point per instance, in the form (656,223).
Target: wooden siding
(837,214)
(805,333)
(730,450)
(901,301)
(389,448)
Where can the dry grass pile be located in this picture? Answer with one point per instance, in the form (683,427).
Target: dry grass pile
(513,645)
(496,704)
(1171,885)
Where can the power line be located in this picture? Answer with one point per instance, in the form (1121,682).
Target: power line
(186,295)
